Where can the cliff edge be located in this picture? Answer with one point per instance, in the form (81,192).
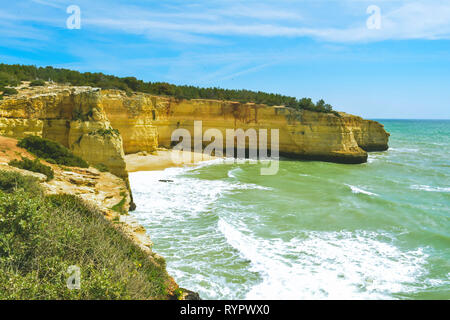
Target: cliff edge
(101,126)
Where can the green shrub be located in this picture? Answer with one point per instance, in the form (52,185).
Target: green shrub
(50,150)
(101,167)
(11,181)
(41,236)
(9,91)
(119,207)
(34,166)
(51,161)
(36,83)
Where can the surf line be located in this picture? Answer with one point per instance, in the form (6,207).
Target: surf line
(257,146)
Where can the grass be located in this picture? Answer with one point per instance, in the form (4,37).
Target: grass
(34,166)
(119,207)
(42,236)
(51,151)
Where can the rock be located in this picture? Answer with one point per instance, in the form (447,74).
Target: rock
(190,295)
(71,114)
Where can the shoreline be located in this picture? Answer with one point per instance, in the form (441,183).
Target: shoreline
(162,159)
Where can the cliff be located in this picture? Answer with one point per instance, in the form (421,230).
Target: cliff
(147,122)
(102,126)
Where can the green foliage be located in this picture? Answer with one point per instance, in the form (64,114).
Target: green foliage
(119,207)
(101,167)
(129,84)
(178,293)
(50,150)
(8,91)
(33,165)
(7,79)
(11,181)
(36,83)
(41,236)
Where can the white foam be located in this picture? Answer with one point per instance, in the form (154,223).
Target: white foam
(374,157)
(232,173)
(429,188)
(327,265)
(183,195)
(359,190)
(403,150)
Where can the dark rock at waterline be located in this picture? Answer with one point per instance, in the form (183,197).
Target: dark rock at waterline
(187,295)
(163,180)
(191,295)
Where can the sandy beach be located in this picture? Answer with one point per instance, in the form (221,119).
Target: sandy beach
(162,159)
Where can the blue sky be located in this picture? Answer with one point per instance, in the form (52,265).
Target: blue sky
(313,48)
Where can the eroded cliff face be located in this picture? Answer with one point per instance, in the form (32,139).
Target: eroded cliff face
(302,134)
(72,116)
(83,119)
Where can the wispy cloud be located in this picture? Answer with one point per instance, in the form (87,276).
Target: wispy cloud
(403,20)
(203,22)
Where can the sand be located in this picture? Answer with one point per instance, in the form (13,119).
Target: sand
(163,159)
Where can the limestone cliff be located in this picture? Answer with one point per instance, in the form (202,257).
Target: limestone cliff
(86,120)
(303,134)
(72,116)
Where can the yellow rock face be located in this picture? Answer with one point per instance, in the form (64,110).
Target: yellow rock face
(133,117)
(302,134)
(19,128)
(73,116)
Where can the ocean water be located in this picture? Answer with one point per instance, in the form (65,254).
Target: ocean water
(316,230)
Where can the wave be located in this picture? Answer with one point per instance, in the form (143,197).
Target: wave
(403,150)
(232,173)
(359,190)
(185,194)
(327,265)
(429,188)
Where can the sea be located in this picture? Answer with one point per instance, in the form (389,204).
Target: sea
(315,230)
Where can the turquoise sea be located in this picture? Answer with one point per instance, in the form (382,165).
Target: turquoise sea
(316,230)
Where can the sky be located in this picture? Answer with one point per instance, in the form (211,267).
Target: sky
(376,58)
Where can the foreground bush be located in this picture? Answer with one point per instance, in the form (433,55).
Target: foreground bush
(33,165)
(41,236)
(13,181)
(51,151)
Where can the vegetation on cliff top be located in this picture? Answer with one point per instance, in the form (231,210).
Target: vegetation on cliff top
(12,75)
(42,236)
(51,151)
(34,166)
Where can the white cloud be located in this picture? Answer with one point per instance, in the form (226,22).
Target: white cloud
(401,20)
(205,22)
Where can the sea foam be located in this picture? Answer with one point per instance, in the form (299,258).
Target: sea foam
(327,265)
(359,190)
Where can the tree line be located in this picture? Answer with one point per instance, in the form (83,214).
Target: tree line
(12,75)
